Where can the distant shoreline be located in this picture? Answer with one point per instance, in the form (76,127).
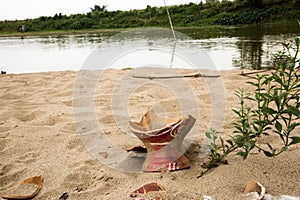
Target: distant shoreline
(70,32)
(118,30)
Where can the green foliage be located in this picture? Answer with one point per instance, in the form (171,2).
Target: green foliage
(216,157)
(247,17)
(274,111)
(211,13)
(98,8)
(82,23)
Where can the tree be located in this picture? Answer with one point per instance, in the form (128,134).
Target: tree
(98,8)
(150,11)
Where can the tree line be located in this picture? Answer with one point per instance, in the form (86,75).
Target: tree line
(213,12)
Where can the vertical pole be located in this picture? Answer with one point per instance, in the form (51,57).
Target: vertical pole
(170,20)
(174,35)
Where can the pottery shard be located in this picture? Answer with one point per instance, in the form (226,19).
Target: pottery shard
(251,186)
(256,187)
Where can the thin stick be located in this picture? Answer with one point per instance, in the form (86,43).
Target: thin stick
(170,20)
(174,35)
(184,76)
(254,72)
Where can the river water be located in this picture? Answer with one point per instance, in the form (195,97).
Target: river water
(221,48)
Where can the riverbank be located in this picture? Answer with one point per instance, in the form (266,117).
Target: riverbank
(38,137)
(69,32)
(208,31)
(227,13)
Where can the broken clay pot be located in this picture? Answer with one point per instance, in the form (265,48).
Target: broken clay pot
(163,139)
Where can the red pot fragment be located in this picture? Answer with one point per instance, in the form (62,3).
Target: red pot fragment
(37,180)
(163,139)
(150,187)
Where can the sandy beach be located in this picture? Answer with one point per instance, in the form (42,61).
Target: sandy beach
(39,136)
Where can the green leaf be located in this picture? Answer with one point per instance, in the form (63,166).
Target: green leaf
(293,110)
(236,112)
(252,83)
(292,126)
(278,79)
(255,127)
(268,110)
(243,154)
(208,135)
(229,142)
(266,81)
(295,140)
(222,141)
(278,127)
(258,96)
(250,98)
(278,98)
(268,154)
(270,146)
(239,128)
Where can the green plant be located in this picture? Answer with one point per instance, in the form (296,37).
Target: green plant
(274,111)
(216,157)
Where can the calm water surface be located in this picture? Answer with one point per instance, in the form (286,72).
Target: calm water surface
(227,48)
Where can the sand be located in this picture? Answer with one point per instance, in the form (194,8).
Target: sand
(38,136)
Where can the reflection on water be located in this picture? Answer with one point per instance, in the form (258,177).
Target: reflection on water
(228,48)
(256,50)
(149,47)
(248,47)
(47,52)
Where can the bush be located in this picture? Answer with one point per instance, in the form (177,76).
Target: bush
(82,23)
(276,111)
